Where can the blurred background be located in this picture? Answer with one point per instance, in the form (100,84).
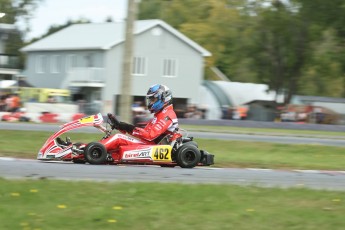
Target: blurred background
(263,60)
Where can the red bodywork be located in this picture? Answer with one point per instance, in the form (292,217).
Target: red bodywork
(56,149)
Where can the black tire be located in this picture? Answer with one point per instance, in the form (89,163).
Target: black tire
(188,156)
(191,143)
(95,153)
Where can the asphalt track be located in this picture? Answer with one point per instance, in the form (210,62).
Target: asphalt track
(315,179)
(31,169)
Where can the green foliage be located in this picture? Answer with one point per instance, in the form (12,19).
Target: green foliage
(281,48)
(295,47)
(16,10)
(323,74)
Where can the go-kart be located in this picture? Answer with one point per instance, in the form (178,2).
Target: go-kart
(172,150)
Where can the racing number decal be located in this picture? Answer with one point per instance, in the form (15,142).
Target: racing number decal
(161,153)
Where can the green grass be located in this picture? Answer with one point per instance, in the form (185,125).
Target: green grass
(271,155)
(276,132)
(52,204)
(48,204)
(26,144)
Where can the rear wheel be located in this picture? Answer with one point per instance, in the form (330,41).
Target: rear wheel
(188,156)
(95,153)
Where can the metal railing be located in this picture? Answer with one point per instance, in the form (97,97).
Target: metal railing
(90,74)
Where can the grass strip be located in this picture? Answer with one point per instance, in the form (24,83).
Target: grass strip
(50,204)
(26,144)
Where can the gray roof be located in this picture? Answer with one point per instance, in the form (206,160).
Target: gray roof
(241,93)
(101,36)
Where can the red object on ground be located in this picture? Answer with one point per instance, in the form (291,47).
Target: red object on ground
(78,116)
(49,117)
(12,116)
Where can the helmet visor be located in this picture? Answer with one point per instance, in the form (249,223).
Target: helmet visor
(150,100)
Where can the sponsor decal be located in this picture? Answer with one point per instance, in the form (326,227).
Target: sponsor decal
(130,155)
(138,154)
(154,120)
(144,154)
(129,138)
(158,127)
(121,136)
(89,119)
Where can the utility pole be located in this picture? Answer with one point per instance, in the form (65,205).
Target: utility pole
(126,98)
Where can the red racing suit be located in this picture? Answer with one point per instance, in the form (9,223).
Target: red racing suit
(163,122)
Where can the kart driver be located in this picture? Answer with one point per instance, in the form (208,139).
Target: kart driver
(159,102)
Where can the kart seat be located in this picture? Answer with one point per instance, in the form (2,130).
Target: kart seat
(170,139)
(163,139)
(62,142)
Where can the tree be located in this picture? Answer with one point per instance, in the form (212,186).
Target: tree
(328,20)
(323,74)
(151,9)
(281,48)
(210,23)
(16,10)
(295,46)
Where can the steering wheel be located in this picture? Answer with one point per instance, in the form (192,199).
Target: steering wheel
(113,120)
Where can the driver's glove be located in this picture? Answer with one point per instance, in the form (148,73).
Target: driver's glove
(119,125)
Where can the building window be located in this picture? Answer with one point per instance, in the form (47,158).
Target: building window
(90,60)
(169,67)
(55,63)
(71,62)
(40,64)
(139,66)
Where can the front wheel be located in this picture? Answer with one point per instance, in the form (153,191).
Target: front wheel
(95,153)
(188,156)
